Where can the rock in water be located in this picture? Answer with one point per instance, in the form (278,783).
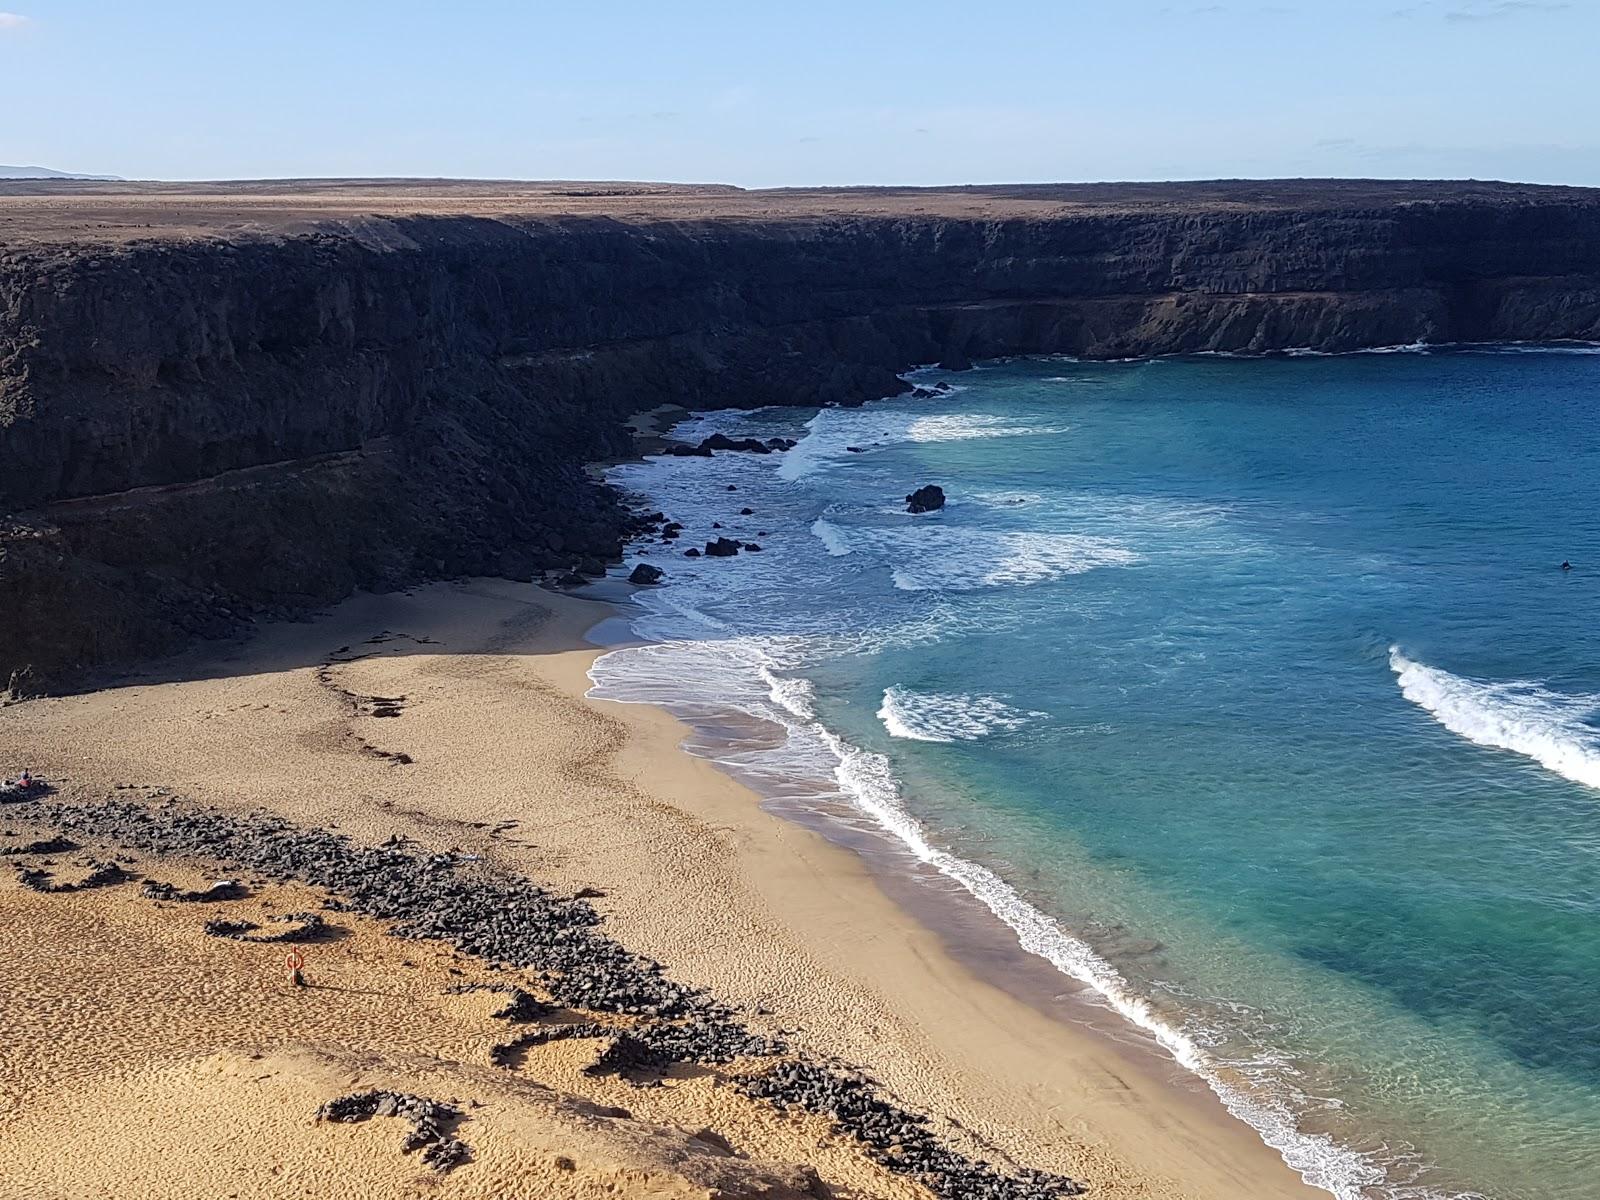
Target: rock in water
(928,498)
(722,548)
(721,441)
(644,573)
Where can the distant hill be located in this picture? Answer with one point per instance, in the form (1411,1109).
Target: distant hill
(47,173)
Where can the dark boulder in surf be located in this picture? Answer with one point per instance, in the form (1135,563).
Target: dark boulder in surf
(645,574)
(721,441)
(928,498)
(722,548)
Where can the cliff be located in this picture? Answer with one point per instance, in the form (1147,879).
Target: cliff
(218,402)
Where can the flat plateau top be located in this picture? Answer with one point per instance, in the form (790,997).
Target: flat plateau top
(81,211)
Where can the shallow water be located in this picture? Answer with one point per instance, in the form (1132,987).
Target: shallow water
(1250,692)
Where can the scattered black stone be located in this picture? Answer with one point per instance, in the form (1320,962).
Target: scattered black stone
(511,921)
(897,1138)
(103,874)
(645,574)
(752,545)
(684,450)
(631,1057)
(731,488)
(855,450)
(747,512)
(522,1007)
(305,927)
(222,889)
(928,498)
(779,443)
(49,845)
(691,552)
(716,524)
(431,896)
(722,548)
(429,1121)
(509,1054)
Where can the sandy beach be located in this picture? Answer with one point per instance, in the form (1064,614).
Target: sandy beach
(455,715)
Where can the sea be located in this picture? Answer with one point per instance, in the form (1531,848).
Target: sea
(1250,695)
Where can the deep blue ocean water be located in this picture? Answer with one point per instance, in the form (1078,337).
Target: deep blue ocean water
(1250,692)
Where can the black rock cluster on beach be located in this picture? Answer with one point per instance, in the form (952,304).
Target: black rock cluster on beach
(896,1137)
(648,1021)
(222,889)
(303,927)
(101,874)
(429,1121)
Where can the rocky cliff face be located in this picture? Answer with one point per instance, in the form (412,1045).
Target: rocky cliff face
(197,430)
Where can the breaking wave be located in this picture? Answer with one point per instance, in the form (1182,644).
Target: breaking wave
(960,427)
(835,432)
(938,717)
(964,559)
(831,536)
(1552,728)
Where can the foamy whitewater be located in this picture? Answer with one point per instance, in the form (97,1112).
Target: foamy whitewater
(1555,731)
(1262,674)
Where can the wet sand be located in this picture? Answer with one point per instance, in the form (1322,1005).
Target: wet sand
(487,743)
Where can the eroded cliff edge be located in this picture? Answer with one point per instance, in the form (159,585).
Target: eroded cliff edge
(257,417)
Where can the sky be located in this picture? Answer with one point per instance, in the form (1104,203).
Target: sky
(820,92)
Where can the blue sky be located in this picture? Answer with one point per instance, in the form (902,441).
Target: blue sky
(820,92)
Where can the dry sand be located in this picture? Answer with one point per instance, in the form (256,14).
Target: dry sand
(114,213)
(133,1072)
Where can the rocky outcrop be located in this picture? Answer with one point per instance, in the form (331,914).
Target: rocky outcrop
(928,498)
(644,574)
(199,431)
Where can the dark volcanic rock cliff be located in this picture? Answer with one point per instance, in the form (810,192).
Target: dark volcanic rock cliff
(196,429)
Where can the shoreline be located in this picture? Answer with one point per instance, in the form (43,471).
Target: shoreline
(696,873)
(982,945)
(966,933)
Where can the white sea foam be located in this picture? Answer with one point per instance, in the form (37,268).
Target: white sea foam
(960,427)
(831,536)
(831,433)
(944,559)
(1552,728)
(946,717)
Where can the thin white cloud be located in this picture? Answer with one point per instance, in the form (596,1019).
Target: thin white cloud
(11,20)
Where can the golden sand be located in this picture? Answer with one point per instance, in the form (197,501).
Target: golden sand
(154,1061)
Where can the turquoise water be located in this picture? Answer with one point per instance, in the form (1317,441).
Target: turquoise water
(1250,692)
